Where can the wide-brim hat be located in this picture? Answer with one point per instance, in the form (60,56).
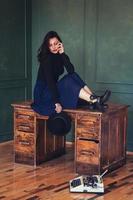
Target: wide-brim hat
(59,123)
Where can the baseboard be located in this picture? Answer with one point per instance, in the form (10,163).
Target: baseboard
(69,144)
(130,153)
(6,142)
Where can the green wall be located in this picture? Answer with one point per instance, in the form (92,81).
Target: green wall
(109,46)
(15,60)
(98,38)
(65,17)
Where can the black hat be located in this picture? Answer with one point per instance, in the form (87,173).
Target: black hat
(59,123)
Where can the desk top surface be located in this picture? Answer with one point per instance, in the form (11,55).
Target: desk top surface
(113,107)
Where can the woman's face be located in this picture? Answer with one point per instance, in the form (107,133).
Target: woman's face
(54,45)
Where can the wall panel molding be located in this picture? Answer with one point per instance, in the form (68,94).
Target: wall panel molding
(114,42)
(15,60)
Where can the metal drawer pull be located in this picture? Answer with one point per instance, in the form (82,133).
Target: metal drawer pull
(24,142)
(25,124)
(25,128)
(89,153)
(19,116)
(92,129)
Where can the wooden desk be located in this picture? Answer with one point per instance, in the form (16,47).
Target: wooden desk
(100,138)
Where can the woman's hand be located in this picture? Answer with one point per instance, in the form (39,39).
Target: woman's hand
(58,107)
(61,48)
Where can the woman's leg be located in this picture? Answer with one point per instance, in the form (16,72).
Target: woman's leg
(88,90)
(73,82)
(84,92)
(85,95)
(77,78)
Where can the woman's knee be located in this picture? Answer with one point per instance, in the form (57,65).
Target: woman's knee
(67,77)
(73,76)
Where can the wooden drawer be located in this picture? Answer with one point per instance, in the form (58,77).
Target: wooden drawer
(24,142)
(24,121)
(25,127)
(87,133)
(88,151)
(24,116)
(88,126)
(87,158)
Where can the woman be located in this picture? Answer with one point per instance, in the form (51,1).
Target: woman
(51,94)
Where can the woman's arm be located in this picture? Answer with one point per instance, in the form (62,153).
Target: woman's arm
(68,65)
(66,61)
(50,81)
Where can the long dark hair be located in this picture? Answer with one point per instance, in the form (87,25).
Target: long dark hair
(43,51)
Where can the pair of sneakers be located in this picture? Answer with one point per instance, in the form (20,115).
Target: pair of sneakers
(100,104)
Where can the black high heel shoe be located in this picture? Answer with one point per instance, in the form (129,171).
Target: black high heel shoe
(100,103)
(103,98)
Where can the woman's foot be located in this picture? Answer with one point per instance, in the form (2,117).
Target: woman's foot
(101,99)
(105,97)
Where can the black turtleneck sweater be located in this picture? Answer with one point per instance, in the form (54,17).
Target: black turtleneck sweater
(51,68)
